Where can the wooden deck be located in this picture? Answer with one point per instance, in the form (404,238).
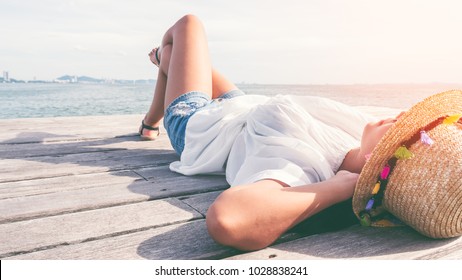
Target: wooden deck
(87,188)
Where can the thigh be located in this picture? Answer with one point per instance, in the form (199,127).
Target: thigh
(220,84)
(190,67)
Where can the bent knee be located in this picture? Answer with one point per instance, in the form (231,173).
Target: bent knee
(219,228)
(188,20)
(229,227)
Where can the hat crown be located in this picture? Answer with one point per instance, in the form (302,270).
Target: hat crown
(425,192)
(424,189)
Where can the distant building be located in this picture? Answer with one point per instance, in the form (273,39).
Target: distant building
(6,76)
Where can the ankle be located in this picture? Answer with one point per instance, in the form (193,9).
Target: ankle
(150,122)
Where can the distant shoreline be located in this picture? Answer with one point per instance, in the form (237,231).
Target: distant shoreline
(73,79)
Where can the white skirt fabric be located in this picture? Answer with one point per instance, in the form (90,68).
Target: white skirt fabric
(297,140)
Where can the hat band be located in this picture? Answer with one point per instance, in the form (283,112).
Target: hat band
(374,213)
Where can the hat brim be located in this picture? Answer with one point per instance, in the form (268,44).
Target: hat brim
(420,115)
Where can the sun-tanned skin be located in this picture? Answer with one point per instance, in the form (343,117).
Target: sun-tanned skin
(252,216)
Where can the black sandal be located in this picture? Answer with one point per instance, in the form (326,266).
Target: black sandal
(144,126)
(156,57)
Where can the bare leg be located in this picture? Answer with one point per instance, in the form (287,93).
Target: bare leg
(190,68)
(156,111)
(253,216)
(220,84)
(184,66)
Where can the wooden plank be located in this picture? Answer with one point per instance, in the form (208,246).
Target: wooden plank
(67,128)
(44,197)
(180,241)
(164,175)
(38,234)
(359,242)
(67,183)
(200,202)
(449,253)
(52,166)
(28,207)
(27,150)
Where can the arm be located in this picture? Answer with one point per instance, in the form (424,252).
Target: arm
(253,216)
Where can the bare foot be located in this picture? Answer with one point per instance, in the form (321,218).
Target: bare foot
(154,56)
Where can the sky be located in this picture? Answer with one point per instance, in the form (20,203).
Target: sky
(262,41)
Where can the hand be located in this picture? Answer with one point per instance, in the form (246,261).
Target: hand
(346,182)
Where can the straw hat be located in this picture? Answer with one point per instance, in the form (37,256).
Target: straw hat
(414,175)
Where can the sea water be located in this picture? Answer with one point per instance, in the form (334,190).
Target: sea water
(32,100)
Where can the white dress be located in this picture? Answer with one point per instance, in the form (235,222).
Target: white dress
(297,140)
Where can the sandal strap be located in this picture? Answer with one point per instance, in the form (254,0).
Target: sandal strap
(144,126)
(157,56)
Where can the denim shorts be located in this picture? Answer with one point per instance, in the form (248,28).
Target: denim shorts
(181,110)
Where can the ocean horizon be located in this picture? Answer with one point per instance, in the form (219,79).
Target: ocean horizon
(60,100)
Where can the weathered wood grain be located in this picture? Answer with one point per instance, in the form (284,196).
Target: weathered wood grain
(78,227)
(67,128)
(71,164)
(67,183)
(38,198)
(176,182)
(183,241)
(200,202)
(56,148)
(359,242)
